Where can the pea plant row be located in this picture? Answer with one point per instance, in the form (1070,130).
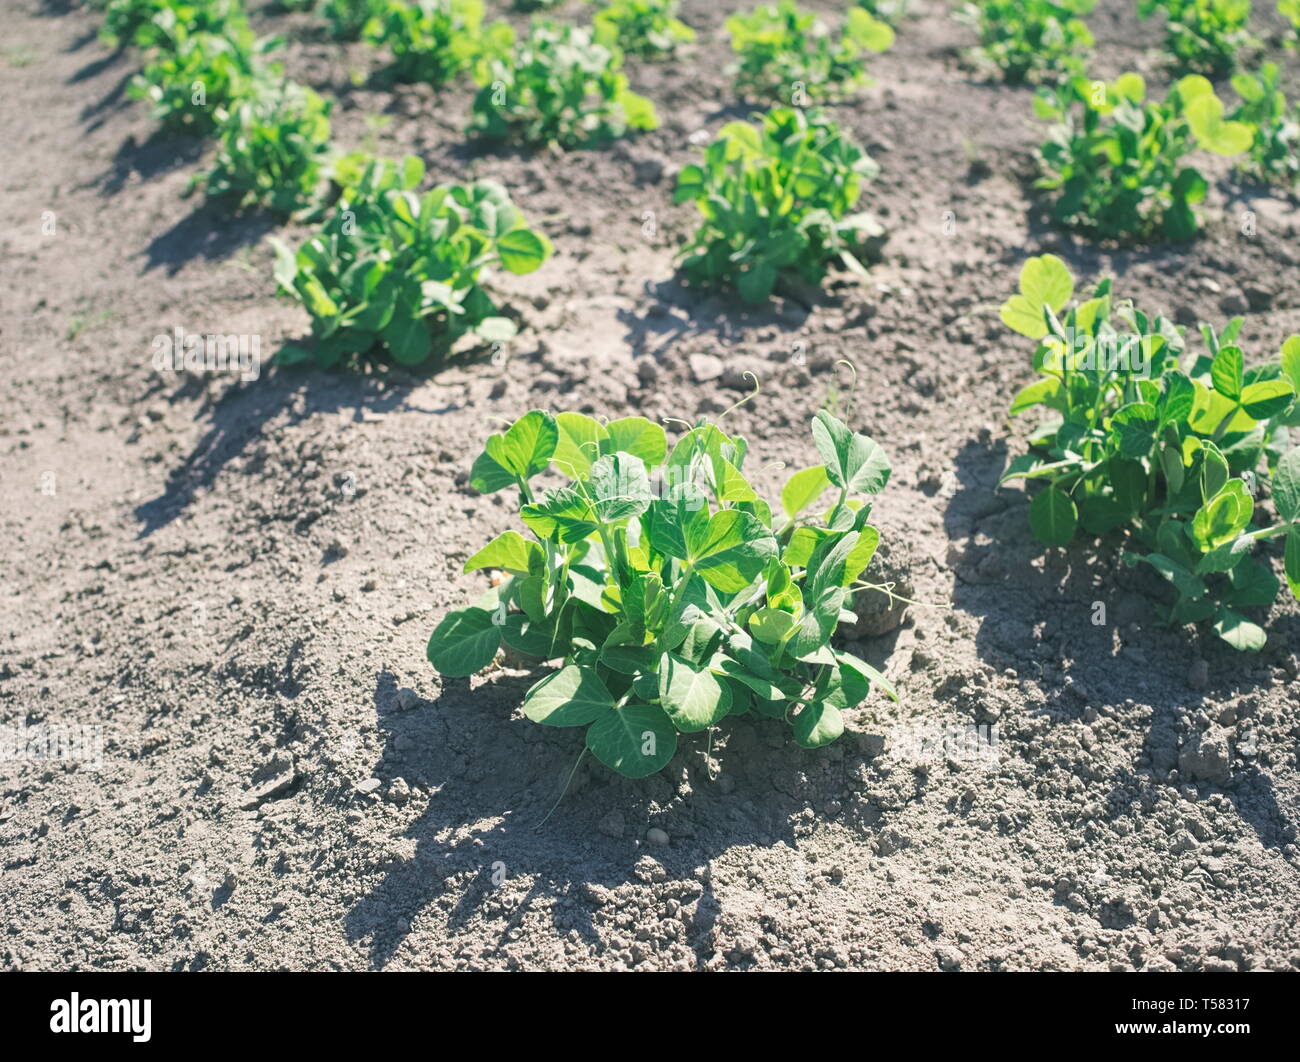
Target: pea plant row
(670,592)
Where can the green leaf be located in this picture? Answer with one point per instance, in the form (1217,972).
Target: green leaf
(527,446)
(804,488)
(635,740)
(523,250)
(771,625)
(1053,517)
(1223,517)
(464,643)
(852,460)
(868,672)
(1291,361)
(1205,116)
(817,724)
(487,476)
(1286,486)
(1238,631)
(619,487)
(1226,372)
(408,340)
(578,445)
(572,696)
(730,550)
(1044,281)
(638,437)
(510,551)
(692,696)
(1266,398)
(1292,561)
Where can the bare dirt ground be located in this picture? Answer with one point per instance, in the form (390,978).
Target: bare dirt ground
(236,581)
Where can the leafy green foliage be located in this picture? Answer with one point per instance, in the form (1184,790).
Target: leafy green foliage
(892,12)
(399,274)
(675,602)
(1147,441)
(776,200)
(1290,10)
(432,41)
(156,23)
(349,19)
(1027,39)
(272,147)
(791,55)
(557,86)
(645,28)
(1115,159)
(1202,36)
(1275,151)
(200,74)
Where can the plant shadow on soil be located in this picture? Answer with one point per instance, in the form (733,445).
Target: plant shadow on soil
(241,413)
(493,776)
(1039,617)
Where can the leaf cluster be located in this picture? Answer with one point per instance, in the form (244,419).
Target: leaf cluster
(1031,39)
(399,274)
(777,200)
(1146,440)
(1116,160)
(1202,36)
(673,602)
(648,29)
(788,54)
(272,149)
(1274,156)
(557,86)
(431,41)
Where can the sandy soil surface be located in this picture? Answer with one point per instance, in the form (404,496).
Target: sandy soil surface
(235,581)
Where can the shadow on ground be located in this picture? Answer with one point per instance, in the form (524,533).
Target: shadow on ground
(1037,610)
(493,776)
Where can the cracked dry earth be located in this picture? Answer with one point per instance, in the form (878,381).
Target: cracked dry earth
(235,581)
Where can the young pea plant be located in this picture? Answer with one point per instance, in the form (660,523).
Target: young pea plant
(1160,447)
(199,76)
(776,201)
(673,602)
(648,29)
(156,23)
(1030,39)
(1290,10)
(1202,36)
(1115,160)
(394,274)
(348,20)
(559,87)
(272,149)
(1274,156)
(787,54)
(431,41)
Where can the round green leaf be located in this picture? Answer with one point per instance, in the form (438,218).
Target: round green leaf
(572,696)
(693,697)
(635,740)
(817,724)
(523,250)
(1053,517)
(464,643)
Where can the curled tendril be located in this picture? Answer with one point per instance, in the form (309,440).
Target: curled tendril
(678,420)
(758,387)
